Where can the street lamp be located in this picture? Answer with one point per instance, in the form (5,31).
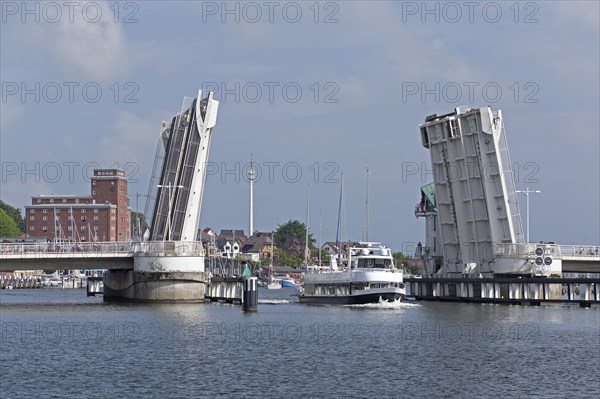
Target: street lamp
(169,187)
(527,192)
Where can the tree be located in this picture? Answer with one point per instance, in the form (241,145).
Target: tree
(399,259)
(8,226)
(143,223)
(15,214)
(285,234)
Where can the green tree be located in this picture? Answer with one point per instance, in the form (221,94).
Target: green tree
(288,231)
(399,260)
(292,229)
(143,223)
(8,226)
(15,214)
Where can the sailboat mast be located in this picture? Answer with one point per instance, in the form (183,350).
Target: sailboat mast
(320,233)
(307,223)
(366,227)
(339,223)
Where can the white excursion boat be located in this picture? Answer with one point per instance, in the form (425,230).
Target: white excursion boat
(369,278)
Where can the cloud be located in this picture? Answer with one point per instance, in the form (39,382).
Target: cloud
(132,140)
(80,48)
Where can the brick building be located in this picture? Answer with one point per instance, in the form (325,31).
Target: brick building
(102,216)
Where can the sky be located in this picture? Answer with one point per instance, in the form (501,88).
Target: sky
(309,90)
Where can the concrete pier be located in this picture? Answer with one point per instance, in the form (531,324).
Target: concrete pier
(225,289)
(136,286)
(509,290)
(163,271)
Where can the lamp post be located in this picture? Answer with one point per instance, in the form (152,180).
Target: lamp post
(527,192)
(169,187)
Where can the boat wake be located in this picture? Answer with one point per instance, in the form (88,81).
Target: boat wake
(396,304)
(275,301)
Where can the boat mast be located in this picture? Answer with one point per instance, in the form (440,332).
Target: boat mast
(339,222)
(271,265)
(307,222)
(320,232)
(366,226)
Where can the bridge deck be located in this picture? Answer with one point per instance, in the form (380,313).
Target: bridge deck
(101,255)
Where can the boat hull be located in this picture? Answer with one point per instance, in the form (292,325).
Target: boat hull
(358,299)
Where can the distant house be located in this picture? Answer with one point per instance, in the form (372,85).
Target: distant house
(331,248)
(231,236)
(230,242)
(295,247)
(258,246)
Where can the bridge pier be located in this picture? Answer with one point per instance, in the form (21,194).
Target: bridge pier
(158,278)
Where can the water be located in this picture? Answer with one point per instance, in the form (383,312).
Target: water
(59,343)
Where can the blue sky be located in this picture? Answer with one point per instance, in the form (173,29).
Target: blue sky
(361,67)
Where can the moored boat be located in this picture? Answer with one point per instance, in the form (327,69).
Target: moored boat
(288,282)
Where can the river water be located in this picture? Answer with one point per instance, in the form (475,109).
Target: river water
(60,343)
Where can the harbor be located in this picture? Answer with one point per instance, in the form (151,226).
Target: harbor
(325,199)
(59,327)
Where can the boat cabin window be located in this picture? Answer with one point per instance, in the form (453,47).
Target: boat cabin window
(375,263)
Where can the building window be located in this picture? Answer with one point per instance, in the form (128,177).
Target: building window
(83,210)
(44,228)
(96,218)
(93,182)
(69,228)
(32,228)
(70,210)
(64,200)
(39,201)
(70,218)
(45,211)
(77,200)
(82,228)
(57,211)
(95,228)
(32,211)
(93,192)
(96,210)
(31,217)
(84,218)
(44,218)
(113,218)
(51,200)
(112,228)
(56,218)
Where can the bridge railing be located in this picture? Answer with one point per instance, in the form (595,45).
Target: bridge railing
(525,250)
(92,249)
(57,249)
(586,251)
(171,248)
